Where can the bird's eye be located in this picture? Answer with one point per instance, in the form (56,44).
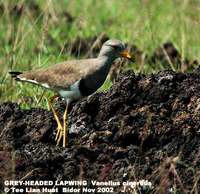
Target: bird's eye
(115,47)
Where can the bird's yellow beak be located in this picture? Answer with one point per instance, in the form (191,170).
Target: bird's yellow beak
(126,54)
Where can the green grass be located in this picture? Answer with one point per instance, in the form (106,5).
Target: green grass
(35,38)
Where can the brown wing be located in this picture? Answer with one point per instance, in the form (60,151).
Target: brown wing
(61,75)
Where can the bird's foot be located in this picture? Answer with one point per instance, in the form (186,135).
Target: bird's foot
(61,129)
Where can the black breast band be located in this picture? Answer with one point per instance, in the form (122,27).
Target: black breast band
(84,90)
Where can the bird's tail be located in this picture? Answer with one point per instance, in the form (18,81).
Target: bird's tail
(14,74)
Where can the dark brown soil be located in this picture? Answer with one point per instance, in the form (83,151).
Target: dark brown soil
(144,127)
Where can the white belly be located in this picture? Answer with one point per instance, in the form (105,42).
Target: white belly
(72,94)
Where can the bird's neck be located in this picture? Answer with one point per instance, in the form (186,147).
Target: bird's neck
(106,61)
(92,82)
(103,68)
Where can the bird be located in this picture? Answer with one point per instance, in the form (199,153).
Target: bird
(75,79)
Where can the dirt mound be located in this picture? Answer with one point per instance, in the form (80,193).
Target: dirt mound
(144,127)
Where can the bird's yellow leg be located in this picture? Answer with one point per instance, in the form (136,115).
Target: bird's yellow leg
(59,126)
(63,132)
(65,126)
(59,136)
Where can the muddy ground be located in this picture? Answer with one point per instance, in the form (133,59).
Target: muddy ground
(144,127)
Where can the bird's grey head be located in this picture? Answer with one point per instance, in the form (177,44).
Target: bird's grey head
(114,49)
